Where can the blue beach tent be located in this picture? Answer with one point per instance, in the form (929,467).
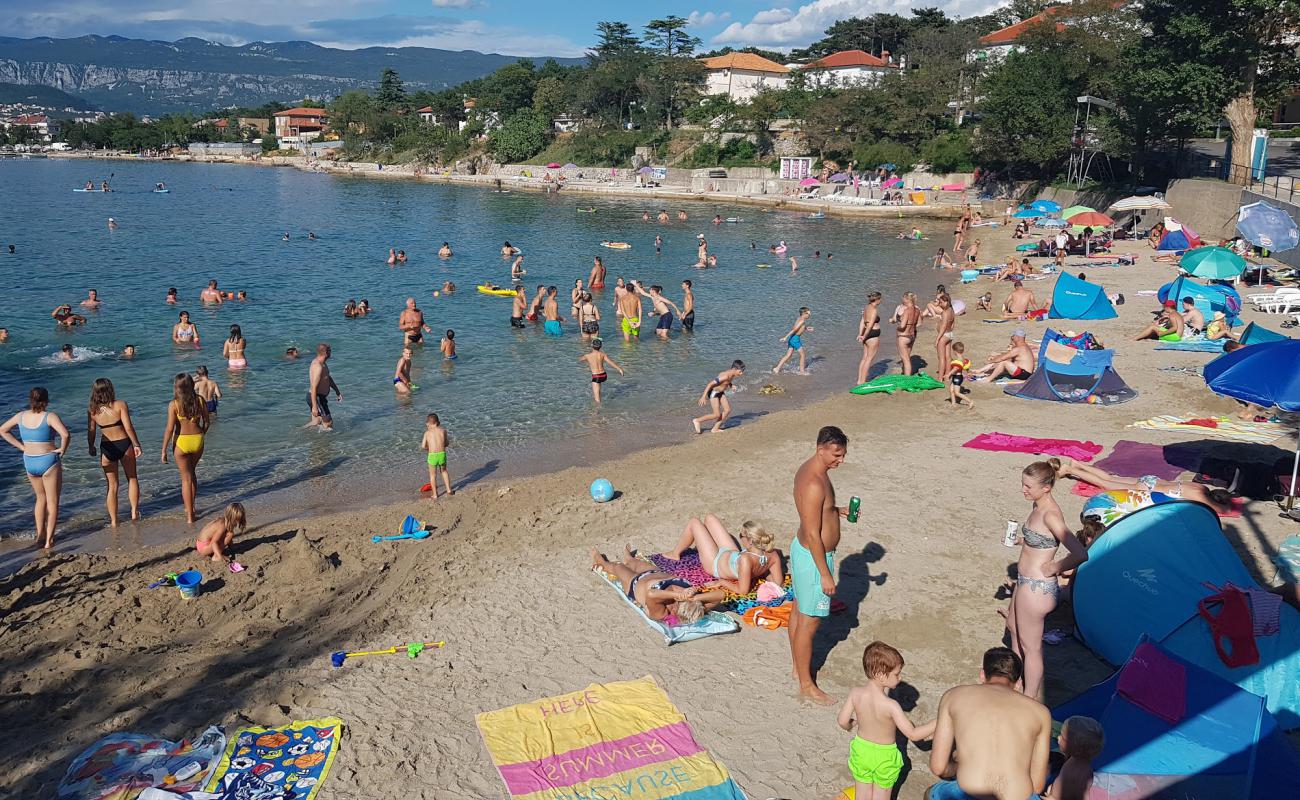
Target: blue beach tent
(1067,373)
(1145,576)
(1174,240)
(1208,298)
(1076,299)
(1175,730)
(1255,334)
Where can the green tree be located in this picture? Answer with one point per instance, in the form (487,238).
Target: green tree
(1027,113)
(676,72)
(354,111)
(509,89)
(613,39)
(521,137)
(392,93)
(552,97)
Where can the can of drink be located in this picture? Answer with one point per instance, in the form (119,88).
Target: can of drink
(1011,537)
(855,504)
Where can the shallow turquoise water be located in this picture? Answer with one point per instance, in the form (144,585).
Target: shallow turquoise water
(511,397)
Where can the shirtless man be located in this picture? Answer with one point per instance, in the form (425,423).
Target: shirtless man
(629,307)
(1167,326)
(551,313)
(663,307)
(518,307)
(1016,363)
(402,373)
(318,390)
(64,316)
(411,323)
(991,742)
(1192,316)
(702,252)
(1019,303)
(688,307)
(946,322)
(517,271)
(812,553)
(92,300)
(210,294)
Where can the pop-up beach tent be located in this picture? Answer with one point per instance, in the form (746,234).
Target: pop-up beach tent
(1175,730)
(1072,375)
(1078,299)
(1255,334)
(1207,297)
(1147,574)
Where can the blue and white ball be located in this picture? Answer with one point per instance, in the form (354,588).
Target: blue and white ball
(602,491)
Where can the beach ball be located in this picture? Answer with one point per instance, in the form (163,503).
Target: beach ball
(602,491)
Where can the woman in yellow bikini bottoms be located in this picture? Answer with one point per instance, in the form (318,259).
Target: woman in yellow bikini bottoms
(187,421)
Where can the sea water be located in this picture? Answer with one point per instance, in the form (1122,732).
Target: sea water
(514,398)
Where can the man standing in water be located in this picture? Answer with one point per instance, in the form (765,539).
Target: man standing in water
(519,307)
(411,323)
(210,294)
(812,553)
(629,305)
(318,390)
(1002,737)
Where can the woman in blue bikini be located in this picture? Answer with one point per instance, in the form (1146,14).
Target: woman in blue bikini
(1036,589)
(739,566)
(43,461)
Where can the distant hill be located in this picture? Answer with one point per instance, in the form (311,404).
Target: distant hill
(43,96)
(119,74)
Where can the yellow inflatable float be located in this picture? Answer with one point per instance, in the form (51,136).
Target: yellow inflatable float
(496,291)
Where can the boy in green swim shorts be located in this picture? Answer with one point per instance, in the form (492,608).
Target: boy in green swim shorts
(435,442)
(874,758)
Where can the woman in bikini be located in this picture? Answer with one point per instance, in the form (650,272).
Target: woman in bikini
(233,349)
(1218,499)
(1036,589)
(184,332)
(660,594)
(187,422)
(575,298)
(869,335)
(43,462)
(588,316)
(739,566)
(597,278)
(905,318)
(118,444)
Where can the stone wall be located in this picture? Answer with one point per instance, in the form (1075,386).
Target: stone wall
(1209,206)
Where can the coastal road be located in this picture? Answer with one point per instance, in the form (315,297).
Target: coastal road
(1283,154)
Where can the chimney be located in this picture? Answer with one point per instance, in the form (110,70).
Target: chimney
(884,55)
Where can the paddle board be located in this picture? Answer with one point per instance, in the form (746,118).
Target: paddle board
(162,191)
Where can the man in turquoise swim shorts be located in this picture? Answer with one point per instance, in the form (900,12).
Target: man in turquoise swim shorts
(1002,737)
(812,553)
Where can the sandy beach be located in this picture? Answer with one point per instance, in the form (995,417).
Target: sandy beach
(505,581)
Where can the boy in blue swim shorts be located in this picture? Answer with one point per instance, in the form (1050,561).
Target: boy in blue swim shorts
(794,340)
(874,758)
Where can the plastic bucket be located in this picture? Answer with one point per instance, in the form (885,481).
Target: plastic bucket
(970,275)
(190,582)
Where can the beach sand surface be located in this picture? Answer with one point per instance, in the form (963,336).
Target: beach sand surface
(88,650)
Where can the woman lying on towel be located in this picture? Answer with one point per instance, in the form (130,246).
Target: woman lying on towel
(1218,499)
(660,594)
(739,566)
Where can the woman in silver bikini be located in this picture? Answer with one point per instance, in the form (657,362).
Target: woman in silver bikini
(660,594)
(739,565)
(1036,587)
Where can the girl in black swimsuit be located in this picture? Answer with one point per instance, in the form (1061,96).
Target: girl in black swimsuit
(118,444)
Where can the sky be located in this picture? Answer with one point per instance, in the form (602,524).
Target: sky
(512,27)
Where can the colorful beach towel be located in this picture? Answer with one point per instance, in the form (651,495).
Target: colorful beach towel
(690,570)
(121,765)
(1130,459)
(712,624)
(1008,443)
(1196,345)
(1223,428)
(295,758)
(893,383)
(623,739)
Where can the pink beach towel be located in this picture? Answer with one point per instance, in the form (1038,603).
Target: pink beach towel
(1007,443)
(1155,683)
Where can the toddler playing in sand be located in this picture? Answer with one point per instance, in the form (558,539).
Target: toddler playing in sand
(216,538)
(1081,740)
(874,758)
(435,442)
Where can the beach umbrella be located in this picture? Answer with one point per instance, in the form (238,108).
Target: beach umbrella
(1266,374)
(810,182)
(839,177)
(553,165)
(1072,210)
(646,170)
(1053,223)
(1268,227)
(570,165)
(1213,263)
(1050,206)
(1090,219)
(1029,213)
(1138,203)
(1026,247)
(889,166)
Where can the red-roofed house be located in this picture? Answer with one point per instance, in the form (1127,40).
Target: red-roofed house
(427,115)
(996,45)
(848,68)
(44,127)
(740,76)
(297,125)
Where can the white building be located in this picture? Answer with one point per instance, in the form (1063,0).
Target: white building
(44,127)
(848,68)
(740,76)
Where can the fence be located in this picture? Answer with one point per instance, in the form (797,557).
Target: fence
(1279,187)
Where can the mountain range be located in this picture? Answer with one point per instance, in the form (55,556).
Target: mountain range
(150,77)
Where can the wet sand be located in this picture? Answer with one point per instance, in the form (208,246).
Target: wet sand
(89,651)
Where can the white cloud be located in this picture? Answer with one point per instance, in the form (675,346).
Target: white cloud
(454,3)
(782,27)
(707,17)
